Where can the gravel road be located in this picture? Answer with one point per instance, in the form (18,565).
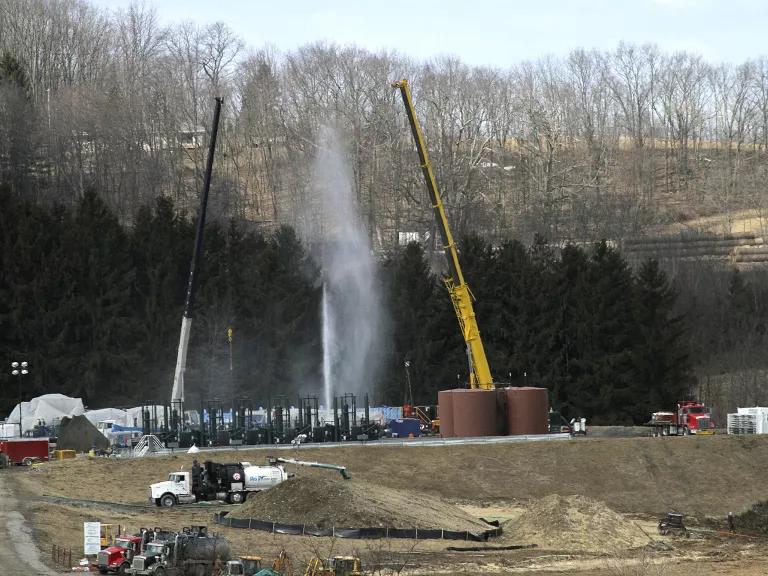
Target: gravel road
(18,553)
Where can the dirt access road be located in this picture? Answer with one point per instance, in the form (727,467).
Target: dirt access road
(18,553)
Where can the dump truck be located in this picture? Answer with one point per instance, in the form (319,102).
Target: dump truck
(212,481)
(691,417)
(192,552)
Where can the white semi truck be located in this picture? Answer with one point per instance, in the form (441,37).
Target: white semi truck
(229,482)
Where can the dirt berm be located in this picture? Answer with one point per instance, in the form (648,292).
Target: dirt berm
(702,476)
(325,501)
(575,524)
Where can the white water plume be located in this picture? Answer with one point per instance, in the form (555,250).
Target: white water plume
(351,310)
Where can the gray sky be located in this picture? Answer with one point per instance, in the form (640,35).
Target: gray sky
(489,32)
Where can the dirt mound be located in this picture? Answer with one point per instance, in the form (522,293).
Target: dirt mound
(77,433)
(574,523)
(325,502)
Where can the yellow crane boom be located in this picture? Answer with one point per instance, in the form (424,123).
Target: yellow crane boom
(461,296)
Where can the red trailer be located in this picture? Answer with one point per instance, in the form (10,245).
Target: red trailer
(24,451)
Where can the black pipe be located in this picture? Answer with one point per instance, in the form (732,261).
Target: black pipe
(201,219)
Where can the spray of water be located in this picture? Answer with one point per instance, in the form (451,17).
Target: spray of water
(351,309)
(328,340)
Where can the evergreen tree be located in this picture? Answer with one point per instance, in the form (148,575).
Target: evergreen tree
(416,304)
(101,323)
(160,248)
(17,123)
(660,357)
(608,348)
(570,329)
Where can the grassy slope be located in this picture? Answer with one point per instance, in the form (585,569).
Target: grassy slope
(709,475)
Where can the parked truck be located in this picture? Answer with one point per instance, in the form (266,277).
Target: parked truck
(212,481)
(117,557)
(691,417)
(193,552)
(24,451)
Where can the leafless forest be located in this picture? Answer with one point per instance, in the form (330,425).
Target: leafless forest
(593,145)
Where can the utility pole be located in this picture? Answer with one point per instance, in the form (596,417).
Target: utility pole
(20,369)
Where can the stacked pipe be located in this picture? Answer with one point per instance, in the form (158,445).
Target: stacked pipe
(697,246)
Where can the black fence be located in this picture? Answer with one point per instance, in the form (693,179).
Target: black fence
(224,519)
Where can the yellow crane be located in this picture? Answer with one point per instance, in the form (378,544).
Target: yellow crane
(461,296)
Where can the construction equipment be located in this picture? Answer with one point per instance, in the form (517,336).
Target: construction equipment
(108,533)
(691,417)
(212,481)
(341,469)
(177,394)
(282,566)
(461,296)
(673,524)
(336,566)
(244,566)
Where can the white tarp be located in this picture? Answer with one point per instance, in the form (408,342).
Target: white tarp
(48,407)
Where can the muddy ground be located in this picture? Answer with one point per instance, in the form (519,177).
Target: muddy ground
(628,484)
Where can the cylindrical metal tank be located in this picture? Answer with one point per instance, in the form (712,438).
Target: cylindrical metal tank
(474,413)
(200,556)
(527,410)
(445,412)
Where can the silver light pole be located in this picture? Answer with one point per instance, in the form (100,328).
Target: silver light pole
(20,369)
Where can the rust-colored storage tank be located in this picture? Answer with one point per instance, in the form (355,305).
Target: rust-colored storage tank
(527,410)
(445,412)
(474,413)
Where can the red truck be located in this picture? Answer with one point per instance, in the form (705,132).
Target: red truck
(117,558)
(691,417)
(24,451)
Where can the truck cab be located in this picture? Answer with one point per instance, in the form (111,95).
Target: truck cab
(154,555)
(695,418)
(244,566)
(118,556)
(176,490)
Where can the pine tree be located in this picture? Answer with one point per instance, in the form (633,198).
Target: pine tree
(160,246)
(660,357)
(411,292)
(101,326)
(608,347)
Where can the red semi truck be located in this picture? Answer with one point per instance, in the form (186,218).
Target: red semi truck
(24,451)
(117,558)
(691,417)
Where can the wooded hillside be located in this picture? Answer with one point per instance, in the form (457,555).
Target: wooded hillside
(103,133)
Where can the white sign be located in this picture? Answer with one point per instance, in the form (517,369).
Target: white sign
(91,538)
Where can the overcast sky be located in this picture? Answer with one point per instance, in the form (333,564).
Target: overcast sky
(487,32)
